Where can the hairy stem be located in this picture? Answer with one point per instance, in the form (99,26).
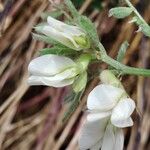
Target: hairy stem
(123,69)
(135,11)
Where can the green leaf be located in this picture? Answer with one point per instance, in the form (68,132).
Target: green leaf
(80,82)
(71,8)
(120,12)
(73,106)
(145,29)
(122,51)
(58,50)
(54,14)
(89,28)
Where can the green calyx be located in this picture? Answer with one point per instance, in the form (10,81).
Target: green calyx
(107,77)
(82,41)
(83,61)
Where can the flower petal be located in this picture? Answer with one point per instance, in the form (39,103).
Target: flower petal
(121,113)
(108,139)
(119,139)
(97,146)
(104,97)
(55,23)
(94,116)
(62,32)
(92,133)
(37,80)
(48,65)
(67,74)
(63,38)
(61,83)
(62,27)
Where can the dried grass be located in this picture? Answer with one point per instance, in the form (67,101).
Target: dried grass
(31,117)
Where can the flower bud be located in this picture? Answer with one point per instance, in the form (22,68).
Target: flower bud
(107,77)
(58,71)
(52,70)
(68,35)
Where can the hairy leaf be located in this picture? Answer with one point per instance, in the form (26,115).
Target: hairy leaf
(122,51)
(89,28)
(120,12)
(54,14)
(80,82)
(58,50)
(74,104)
(71,8)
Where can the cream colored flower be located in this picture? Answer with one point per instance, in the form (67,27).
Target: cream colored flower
(52,70)
(68,35)
(109,110)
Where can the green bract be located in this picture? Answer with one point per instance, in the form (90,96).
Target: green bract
(120,12)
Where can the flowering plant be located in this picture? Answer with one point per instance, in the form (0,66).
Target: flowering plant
(109,110)
(74,46)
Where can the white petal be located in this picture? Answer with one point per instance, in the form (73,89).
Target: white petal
(119,139)
(62,27)
(61,37)
(94,116)
(104,97)
(97,146)
(92,133)
(70,37)
(123,123)
(37,80)
(61,83)
(48,65)
(121,113)
(62,32)
(67,74)
(109,138)
(55,23)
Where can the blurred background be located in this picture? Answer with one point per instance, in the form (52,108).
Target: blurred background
(31,117)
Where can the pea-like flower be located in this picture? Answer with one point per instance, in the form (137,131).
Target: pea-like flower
(59,71)
(68,35)
(109,110)
(52,70)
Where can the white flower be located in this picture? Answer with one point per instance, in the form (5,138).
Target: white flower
(109,111)
(68,35)
(52,70)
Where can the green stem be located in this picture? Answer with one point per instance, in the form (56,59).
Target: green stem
(118,66)
(125,69)
(135,11)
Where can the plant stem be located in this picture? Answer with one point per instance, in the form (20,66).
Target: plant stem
(135,11)
(125,69)
(120,67)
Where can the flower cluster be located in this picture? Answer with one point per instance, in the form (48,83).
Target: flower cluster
(109,107)
(60,71)
(109,110)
